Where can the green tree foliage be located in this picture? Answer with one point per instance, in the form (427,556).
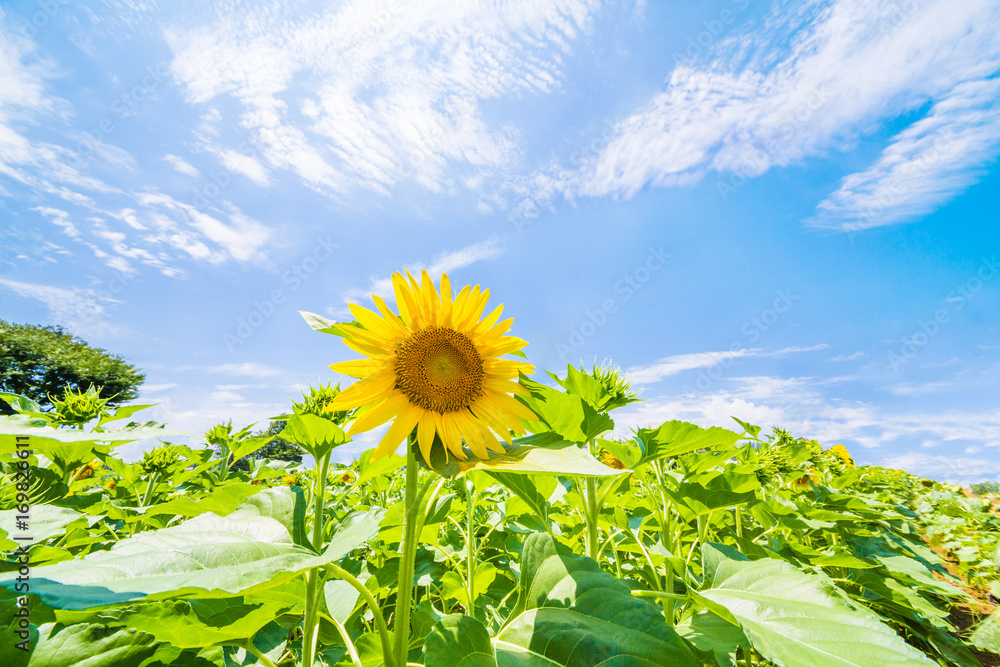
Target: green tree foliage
(277,448)
(36,361)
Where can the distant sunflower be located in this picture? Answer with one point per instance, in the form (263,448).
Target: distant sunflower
(434,367)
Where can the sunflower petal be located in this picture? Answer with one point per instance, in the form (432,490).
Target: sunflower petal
(379,414)
(450,435)
(425,436)
(366,390)
(386,329)
(357,368)
(404,299)
(401,427)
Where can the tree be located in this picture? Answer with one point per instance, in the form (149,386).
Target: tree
(36,361)
(278,449)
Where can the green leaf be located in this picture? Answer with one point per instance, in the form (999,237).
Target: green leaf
(675,438)
(522,458)
(383,466)
(205,557)
(222,500)
(526,487)
(20,403)
(986,636)
(123,412)
(285,504)
(87,645)
(44,521)
(320,323)
(577,614)
(459,641)
(583,384)
(316,435)
(570,416)
(341,598)
(709,632)
(198,623)
(793,618)
(12,426)
(913,570)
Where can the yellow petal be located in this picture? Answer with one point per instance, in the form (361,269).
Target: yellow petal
(489,321)
(368,390)
(475,311)
(380,413)
(386,313)
(450,435)
(473,438)
(425,436)
(386,329)
(505,345)
(357,368)
(401,427)
(404,299)
(366,349)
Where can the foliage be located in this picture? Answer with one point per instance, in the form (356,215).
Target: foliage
(37,361)
(686,546)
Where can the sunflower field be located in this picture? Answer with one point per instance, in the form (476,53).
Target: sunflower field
(498,522)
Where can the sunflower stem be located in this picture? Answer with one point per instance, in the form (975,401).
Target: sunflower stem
(310,623)
(408,552)
(592,545)
(471,549)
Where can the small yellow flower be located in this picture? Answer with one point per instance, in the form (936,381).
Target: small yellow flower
(804,482)
(844,455)
(288,480)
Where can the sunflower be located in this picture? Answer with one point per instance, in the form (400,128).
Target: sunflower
(435,367)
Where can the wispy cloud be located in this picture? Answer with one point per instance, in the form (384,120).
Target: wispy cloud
(848,357)
(661,368)
(389,92)
(444,263)
(82,311)
(808,80)
(182,166)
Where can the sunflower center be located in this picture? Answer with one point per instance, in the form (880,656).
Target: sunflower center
(439,369)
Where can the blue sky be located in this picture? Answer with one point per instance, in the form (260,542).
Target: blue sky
(783,212)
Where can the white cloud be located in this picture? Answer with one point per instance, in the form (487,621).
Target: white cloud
(661,368)
(79,310)
(807,81)
(246,165)
(444,263)
(182,166)
(248,368)
(798,404)
(926,165)
(389,91)
(956,469)
(848,357)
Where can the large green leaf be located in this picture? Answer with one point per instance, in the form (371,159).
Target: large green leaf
(50,438)
(577,614)
(711,633)
(316,435)
(793,618)
(123,412)
(285,504)
(205,557)
(570,416)
(459,641)
(198,623)
(675,438)
(987,634)
(43,522)
(520,457)
(90,645)
(222,500)
(526,488)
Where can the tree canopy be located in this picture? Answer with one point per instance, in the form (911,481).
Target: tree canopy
(36,361)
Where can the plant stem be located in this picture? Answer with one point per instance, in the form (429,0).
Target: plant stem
(471,549)
(310,623)
(263,659)
(148,495)
(380,625)
(592,545)
(408,552)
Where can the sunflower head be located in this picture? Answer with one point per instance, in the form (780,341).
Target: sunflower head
(435,369)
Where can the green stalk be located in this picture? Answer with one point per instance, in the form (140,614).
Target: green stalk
(592,546)
(310,623)
(154,479)
(380,625)
(408,553)
(471,550)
